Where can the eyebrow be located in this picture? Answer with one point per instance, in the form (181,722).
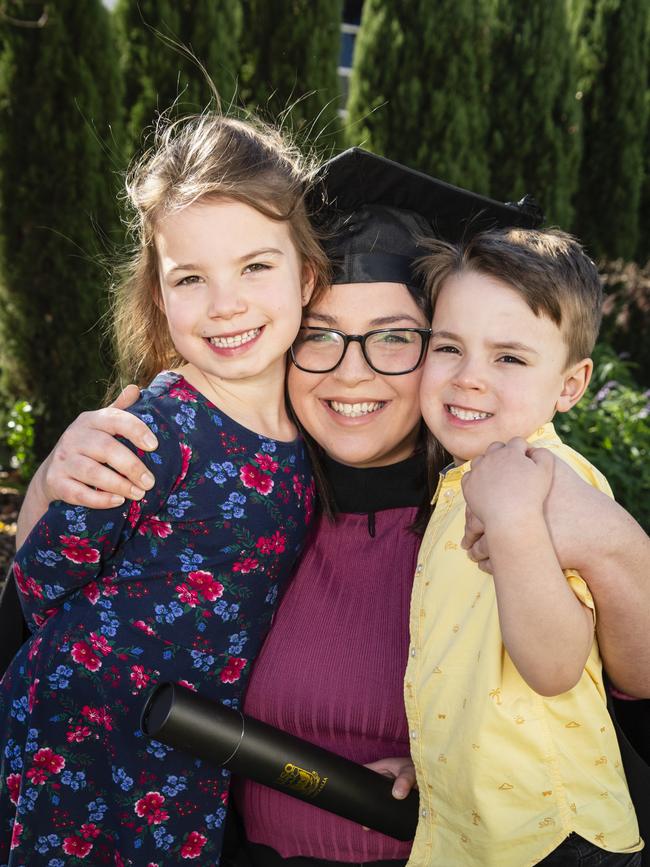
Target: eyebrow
(513,345)
(378,322)
(263,251)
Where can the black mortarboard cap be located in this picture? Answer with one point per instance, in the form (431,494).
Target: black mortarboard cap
(372,211)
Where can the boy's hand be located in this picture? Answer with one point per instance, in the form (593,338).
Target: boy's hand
(401,770)
(89,467)
(507,482)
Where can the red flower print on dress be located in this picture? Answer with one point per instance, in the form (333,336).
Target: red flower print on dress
(140,624)
(233,668)
(15,834)
(183,394)
(27,586)
(98,715)
(297,485)
(193,845)
(252,477)
(274,544)
(33,650)
(159,529)
(186,456)
(83,653)
(187,684)
(150,808)
(78,550)
(139,676)
(188,595)
(100,644)
(248,564)
(89,831)
(13,787)
(133,515)
(46,762)
(266,462)
(31,694)
(205,584)
(77,846)
(77,734)
(91,592)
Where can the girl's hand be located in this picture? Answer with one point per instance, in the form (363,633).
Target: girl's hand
(508,481)
(401,770)
(89,467)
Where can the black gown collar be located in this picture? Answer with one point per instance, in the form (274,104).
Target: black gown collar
(374,489)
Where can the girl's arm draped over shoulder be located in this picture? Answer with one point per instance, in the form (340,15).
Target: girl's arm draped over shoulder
(89,467)
(596,536)
(71,545)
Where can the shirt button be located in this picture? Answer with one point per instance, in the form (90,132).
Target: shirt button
(424,813)
(418,569)
(414,734)
(449,493)
(412,651)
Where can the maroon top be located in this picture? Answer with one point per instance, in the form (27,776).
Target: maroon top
(331,671)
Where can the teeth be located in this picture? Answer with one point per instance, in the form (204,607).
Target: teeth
(468,414)
(236,340)
(355,410)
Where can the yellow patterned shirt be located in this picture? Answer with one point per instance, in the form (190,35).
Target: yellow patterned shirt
(504,773)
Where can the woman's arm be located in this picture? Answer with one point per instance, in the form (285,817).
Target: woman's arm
(89,467)
(596,536)
(546,629)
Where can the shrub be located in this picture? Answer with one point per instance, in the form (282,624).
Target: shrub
(611,428)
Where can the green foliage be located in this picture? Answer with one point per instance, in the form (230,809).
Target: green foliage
(161,42)
(419,86)
(612,56)
(534,142)
(626,314)
(19,438)
(59,114)
(291,50)
(611,428)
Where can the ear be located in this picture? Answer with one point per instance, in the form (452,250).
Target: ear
(576,380)
(308,282)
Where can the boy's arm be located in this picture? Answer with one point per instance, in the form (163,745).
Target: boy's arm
(596,536)
(89,467)
(546,630)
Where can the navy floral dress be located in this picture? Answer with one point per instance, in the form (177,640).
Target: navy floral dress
(180,586)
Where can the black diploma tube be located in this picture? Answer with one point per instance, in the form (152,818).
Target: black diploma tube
(181,718)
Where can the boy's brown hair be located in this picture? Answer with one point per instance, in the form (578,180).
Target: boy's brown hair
(548,268)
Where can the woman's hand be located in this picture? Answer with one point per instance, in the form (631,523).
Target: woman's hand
(89,467)
(401,770)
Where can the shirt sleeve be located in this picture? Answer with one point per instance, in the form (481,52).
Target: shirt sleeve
(71,546)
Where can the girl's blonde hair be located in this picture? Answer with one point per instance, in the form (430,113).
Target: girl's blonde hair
(204,156)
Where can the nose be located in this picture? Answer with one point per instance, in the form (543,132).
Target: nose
(225,299)
(353,367)
(469,375)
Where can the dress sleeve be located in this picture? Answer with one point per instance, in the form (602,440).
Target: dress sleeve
(71,546)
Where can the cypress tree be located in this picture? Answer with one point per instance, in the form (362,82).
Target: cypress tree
(59,98)
(164,44)
(534,141)
(612,51)
(419,86)
(291,50)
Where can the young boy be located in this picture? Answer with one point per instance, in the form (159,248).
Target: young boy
(516,758)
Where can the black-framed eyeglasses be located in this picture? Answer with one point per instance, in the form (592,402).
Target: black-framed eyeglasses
(389,351)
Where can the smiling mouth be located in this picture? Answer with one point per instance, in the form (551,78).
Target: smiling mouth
(356,410)
(235,340)
(467,414)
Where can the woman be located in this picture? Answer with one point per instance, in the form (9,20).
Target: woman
(331,669)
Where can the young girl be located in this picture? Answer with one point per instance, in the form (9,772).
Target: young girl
(181,585)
